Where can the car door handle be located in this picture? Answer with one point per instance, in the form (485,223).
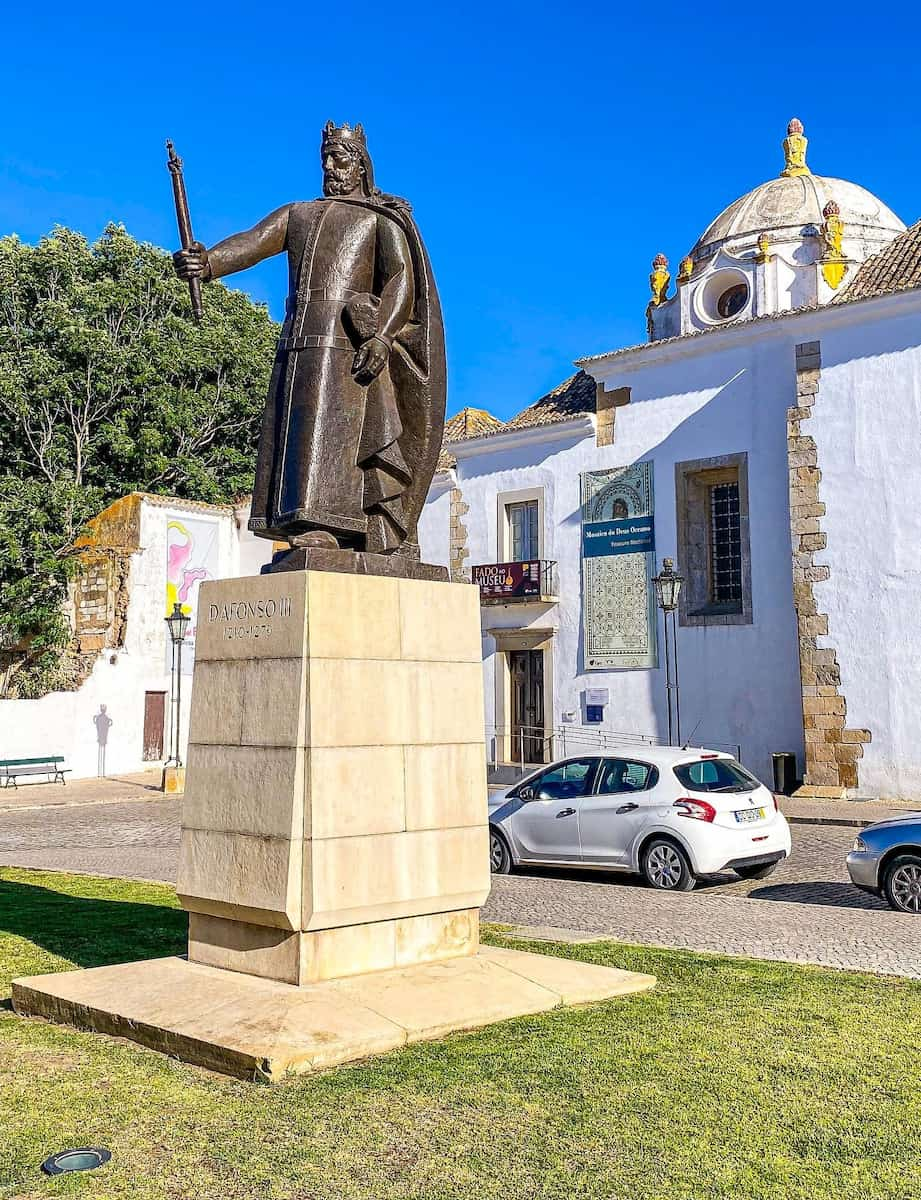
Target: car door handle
(565,812)
(625,808)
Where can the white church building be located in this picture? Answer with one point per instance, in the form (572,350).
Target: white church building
(768,434)
(765,438)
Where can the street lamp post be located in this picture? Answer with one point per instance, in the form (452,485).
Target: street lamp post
(668,589)
(177,623)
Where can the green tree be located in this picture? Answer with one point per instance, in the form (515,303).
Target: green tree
(108,386)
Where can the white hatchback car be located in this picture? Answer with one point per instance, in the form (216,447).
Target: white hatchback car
(671,815)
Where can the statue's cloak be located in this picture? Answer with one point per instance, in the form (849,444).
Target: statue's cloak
(401,424)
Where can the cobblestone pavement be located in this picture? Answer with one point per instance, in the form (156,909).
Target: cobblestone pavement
(807,912)
(134,840)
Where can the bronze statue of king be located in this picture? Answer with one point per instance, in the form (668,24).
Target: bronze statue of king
(355,412)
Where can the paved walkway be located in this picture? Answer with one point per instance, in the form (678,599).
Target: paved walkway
(113,788)
(806,912)
(857,813)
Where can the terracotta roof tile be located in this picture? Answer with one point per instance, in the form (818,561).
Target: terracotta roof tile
(573,397)
(470,423)
(894,269)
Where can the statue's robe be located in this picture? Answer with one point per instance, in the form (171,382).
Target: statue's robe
(334,455)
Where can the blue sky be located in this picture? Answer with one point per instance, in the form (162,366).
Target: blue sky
(549,151)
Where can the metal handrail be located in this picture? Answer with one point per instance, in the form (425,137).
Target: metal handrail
(561,738)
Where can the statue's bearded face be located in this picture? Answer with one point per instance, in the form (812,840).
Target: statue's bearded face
(342,170)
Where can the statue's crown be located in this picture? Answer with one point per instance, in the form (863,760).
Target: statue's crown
(354,135)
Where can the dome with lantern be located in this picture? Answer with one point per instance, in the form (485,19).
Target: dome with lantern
(790,243)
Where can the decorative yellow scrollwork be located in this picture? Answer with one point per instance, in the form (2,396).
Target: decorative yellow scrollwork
(763,254)
(685,269)
(794,149)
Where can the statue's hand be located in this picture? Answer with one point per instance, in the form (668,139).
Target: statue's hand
(192,263)
(370,360)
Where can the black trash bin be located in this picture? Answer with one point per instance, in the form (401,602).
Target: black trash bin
(784,772)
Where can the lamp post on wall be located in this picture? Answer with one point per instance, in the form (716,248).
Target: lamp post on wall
(177,623)
(668,589)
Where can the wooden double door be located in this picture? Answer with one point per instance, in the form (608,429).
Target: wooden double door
(526,668)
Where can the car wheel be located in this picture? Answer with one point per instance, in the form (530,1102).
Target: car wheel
(500,860)
(666,867)
(902,883)
(761,871)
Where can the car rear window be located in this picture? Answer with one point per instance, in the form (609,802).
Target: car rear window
(715,775)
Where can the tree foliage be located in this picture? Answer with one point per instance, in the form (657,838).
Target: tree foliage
(107,386)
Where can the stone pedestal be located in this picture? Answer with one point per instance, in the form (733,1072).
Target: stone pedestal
(335,812)
(334,838)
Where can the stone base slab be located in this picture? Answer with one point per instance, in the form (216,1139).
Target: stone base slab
(301,957)
(256,1028)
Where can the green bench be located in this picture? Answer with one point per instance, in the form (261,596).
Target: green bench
(49,765)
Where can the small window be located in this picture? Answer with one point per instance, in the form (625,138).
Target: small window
(620,775)
(712,512)
(732,301)
(565,781)
(725,544)
(524,542)
(715,775)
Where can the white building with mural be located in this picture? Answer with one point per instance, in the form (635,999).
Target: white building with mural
(141,555)
(766,436)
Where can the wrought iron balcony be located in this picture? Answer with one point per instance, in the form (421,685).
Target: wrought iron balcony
(531,582)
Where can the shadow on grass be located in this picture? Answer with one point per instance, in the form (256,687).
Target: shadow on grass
(90,931)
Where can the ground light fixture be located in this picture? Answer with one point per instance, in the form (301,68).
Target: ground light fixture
(87,1158)
(668,585)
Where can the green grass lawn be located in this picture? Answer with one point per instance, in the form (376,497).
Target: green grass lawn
(733,1079)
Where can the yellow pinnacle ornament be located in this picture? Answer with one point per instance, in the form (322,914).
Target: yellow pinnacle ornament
(658,283)
(833,262)
(794,149)
(659,279)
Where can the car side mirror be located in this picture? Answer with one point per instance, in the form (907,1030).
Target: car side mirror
(526,793)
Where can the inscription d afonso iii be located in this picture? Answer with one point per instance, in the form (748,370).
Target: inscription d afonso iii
(243,619)
(618,563)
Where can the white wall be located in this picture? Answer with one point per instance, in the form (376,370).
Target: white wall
(739,684)
(867,425)
(435,522)
(69,723)
(721,394)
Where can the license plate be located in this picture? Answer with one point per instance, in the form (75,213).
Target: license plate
(745,816)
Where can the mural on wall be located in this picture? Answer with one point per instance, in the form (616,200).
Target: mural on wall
(191,558)
(618,598)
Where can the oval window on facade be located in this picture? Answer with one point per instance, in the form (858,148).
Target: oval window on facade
(732,301)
